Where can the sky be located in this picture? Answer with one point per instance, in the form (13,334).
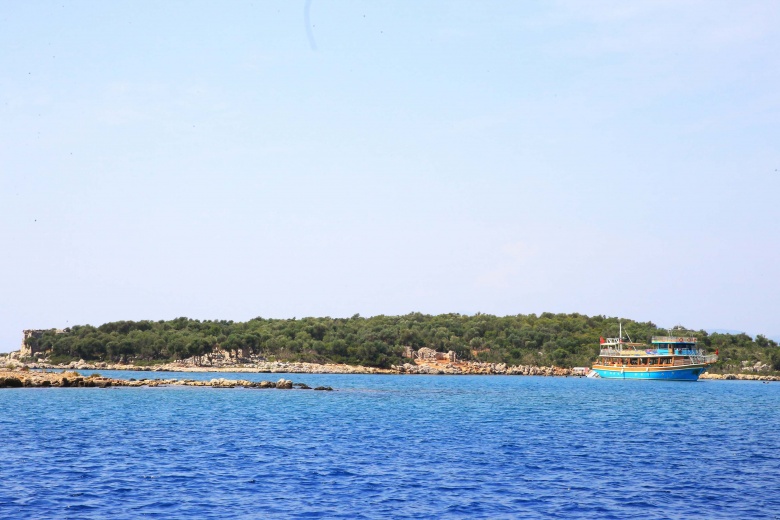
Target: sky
(228,160)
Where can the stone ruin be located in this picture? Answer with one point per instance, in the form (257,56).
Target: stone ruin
(30,338)
(757,367)
(429,354)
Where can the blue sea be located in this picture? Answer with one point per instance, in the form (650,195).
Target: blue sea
(393,447)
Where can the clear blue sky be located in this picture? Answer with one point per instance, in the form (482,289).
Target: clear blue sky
(226,160)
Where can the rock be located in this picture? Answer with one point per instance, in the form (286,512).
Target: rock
(302,386)
(285,384)
(12,382)
(223,383)
(326,388)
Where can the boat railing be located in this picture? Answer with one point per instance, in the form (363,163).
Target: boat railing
(639,352)
(705,359)
(695,357)
(673,339)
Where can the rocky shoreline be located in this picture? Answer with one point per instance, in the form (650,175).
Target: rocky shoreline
(20,378)
(464,368)
(483,369)
(271,367)
(738,377)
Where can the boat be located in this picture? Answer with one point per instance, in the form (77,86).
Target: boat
(676,357)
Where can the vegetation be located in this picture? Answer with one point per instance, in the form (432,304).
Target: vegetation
(560,339)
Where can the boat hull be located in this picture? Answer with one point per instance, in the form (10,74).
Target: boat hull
(683,373)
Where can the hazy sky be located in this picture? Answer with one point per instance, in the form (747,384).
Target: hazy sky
(225,160)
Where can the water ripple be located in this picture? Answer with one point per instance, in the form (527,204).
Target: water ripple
(400,447)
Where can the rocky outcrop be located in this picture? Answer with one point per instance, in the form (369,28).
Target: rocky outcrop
(755,367)
(739,377)
(29,378)
(273,367)
(456,368)
(482,369)
(10,382)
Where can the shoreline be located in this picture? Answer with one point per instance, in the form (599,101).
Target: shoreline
(274,367)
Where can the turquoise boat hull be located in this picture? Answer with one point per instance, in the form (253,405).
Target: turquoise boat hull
(673,374)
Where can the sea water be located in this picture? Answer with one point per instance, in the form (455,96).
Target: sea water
(393,447)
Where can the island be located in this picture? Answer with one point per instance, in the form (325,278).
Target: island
(482,344)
